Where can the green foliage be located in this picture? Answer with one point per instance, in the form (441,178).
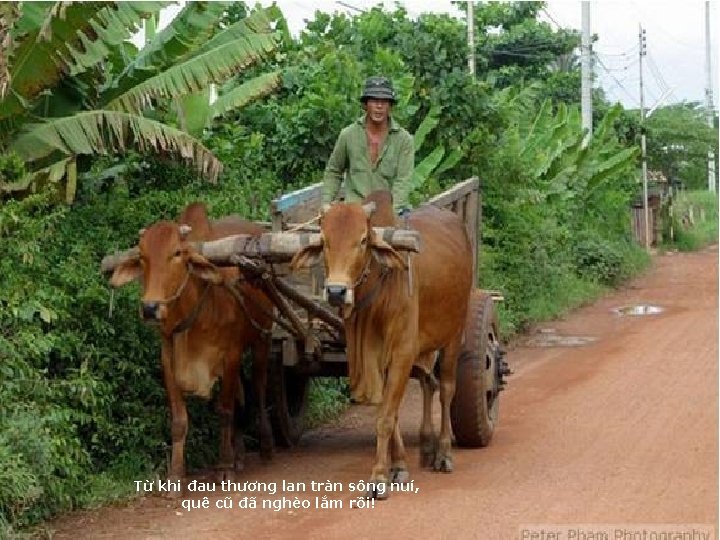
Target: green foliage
(606,261)
(695,220)
(328,398)
(555,213)
(12,169)
(678,142)
(77,89)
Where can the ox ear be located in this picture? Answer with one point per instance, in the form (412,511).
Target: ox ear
(126,272)
(307,256)
(204,269)
(387,256)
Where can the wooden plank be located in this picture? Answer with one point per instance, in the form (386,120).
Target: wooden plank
(110,262)
(471,223)
(457,192)
(290,200)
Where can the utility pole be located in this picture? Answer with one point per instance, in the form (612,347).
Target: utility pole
(586,79)
(471,36)
(709,104)
(643,147)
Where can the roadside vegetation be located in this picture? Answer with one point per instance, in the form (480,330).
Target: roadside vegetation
(99,139)
(694,220)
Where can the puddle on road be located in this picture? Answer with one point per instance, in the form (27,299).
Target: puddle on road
(547,337)
(639,310)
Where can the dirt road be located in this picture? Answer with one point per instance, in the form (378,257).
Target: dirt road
(620,431)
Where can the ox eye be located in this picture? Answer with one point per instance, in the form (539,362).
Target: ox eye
(363,241)
(178,253)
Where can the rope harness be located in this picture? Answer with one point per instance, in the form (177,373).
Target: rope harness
(366,300)
(231,286)
(188,321)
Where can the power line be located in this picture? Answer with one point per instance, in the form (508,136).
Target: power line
(641,15)
(602,64)
(546,11)
(630,53)
(657,75)
(519,55)
(345,4)
(625,67)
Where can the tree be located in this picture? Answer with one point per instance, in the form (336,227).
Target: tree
(74,86)
(678,142)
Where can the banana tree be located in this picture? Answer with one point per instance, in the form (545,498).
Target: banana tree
(426,173)
(550,143)
(73,84)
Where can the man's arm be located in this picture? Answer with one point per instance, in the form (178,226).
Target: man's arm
(334,169)
(406,165)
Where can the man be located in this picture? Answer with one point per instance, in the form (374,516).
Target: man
(374,152)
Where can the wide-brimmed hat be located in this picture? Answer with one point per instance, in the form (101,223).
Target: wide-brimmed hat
(378,88)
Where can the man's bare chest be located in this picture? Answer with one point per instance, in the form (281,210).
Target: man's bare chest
(375,143)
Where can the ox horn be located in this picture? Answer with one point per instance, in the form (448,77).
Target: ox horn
(141,232)
(369,208)
(184,231)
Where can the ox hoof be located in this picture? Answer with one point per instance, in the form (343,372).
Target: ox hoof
(399,476)
(378,490)
(443,464)
(225,474)
(428,451)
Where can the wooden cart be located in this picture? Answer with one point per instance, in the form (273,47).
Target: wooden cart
(307,338)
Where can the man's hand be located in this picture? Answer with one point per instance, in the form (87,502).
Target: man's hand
(403,215)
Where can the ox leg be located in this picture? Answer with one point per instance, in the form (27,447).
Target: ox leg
(226,412)
(398,469)
(398,375)
(428,440)
(239,436)
(178,417)
(448,366)
(261,351)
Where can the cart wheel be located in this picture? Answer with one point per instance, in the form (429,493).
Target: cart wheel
(288,392)
(474,409)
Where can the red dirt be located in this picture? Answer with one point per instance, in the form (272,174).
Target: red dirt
(623,430)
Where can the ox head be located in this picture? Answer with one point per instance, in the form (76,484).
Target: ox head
(165,263)
(349,245)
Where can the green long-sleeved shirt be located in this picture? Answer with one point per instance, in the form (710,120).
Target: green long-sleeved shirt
(393,170)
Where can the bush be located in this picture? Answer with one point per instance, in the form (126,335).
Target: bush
(329,396)
(695,220)
(81,391)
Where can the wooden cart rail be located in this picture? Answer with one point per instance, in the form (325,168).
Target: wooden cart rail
(463,198)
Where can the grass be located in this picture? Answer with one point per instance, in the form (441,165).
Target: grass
(329,398)
(695,220)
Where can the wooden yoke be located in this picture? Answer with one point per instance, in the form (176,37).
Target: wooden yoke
(271,247)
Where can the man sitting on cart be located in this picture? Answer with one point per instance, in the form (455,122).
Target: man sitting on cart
(373,153)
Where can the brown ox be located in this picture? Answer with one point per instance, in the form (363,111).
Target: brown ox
(204,326)
(395,319)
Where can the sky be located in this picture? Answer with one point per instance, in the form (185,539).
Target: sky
(674,68)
